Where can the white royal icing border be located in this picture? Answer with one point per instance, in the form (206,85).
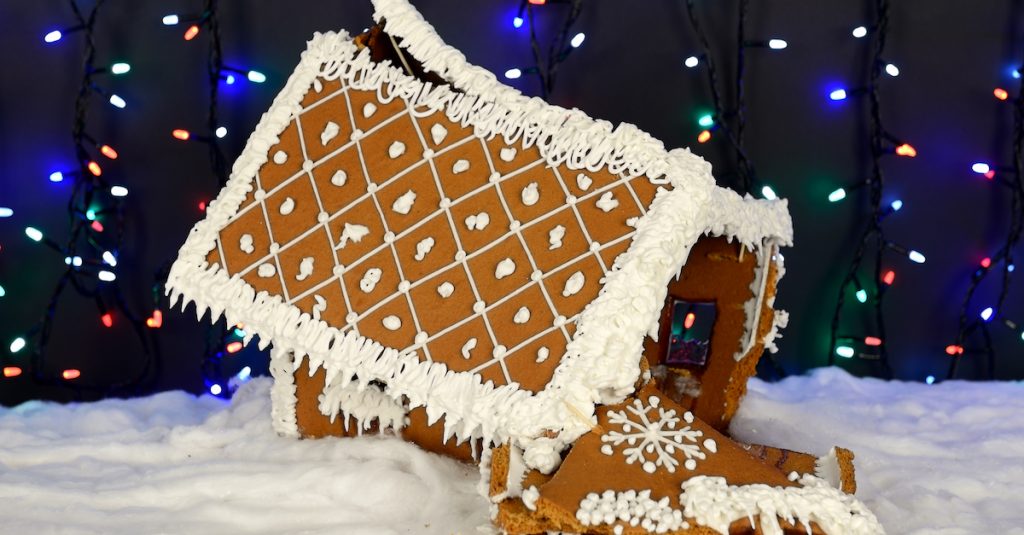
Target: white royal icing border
(602,361)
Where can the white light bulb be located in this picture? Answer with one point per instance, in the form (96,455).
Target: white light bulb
(109,258)
(777,44)
(6,212)
(980,168)
(915,256)
(987,313)
(106,276)
(215,389)
(120,68)
(17,344)
(256,77)
(33,233)
(512,74)
(896,205)
(76,261)
(170,20)
(221,132)
(769,193)
(860,31)
(577,40)
(892,70)
(117,101)
(118,191)
(838,94)
(56,176)
(53,36)
(691,61)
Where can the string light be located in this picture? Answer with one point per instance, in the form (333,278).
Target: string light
(837,94)
(6,212)
(892,70)
(953,350)
(889,277)
(109,258)
(1000,93)
(17,344)
(768,193)
(862,295)
(906,150)
(837,195)
(108,151)
(930,379)
(691,62)
(896,205)
(859,32)
(986,314)
(107,319)
(234,347)
(256,77)
(517,22)
(120,68)
(170,20)
(981,168)
(221,132)
(117,102)
(689,320)
(94,168)
(53,36)
(846,352)
(216,389)
(191,32)
(872,341)
(34,234)
(156,320)
(986,262)
(106,276)
(704,136)
(577,40)
(12,371)
(56,176)
(118,191)
(777,44)
(916,257)
(70,374)
(181,134)
(705,120)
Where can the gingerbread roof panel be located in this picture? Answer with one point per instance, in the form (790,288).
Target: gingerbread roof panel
(488,255)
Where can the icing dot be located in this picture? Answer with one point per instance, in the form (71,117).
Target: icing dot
(421,337)
(370,279)
(428,154)
(460,256)
(460,166)
(403,204)
(494,177)
(288,206)
(437,133)
(389,237)
(522,316)
(369,109)
(793,476)
(423,247)
(570,199)
(371,187)
(499,351)
(338,270)
(536,275)
(445,203)
(445,289)
(274,248)
(690,464)
(594,246)
(307,165)
(649,466)
(507,154)
(555,236)
(396,149)
(559,321)
(607,202)
(339,178)
(392,323)
(266,270)
(478,221)
(583,181)
(404,286)
(331,130)
(530,194)
(245,244)
(479,307)
(574,284)
(259,195)
(323,217)
(305,269)
(542,354)
(504,268)
(607,449)
(280,157)
(514,225)
(351,317)
(357,134)
(470,345)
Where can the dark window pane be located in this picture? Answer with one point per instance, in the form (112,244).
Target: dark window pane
(690,339)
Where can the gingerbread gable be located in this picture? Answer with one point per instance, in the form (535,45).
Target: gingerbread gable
(493,258)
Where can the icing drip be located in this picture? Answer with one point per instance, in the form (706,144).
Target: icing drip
(507,154)
(288,206)
(542,354)
(583,181)
(437,133)
(339,178)
(392,323)
(245,244)
(356,233)
(478,221)
(555,237)
(607,202)
(530,194)
(522,316)
(364,405)
(827,468)
(460,166)
(319,307)
(318,86)
(403,203)
(280,157)
(331,130)
(530,496)
(470,345)
(445,289)
(370,279)
(423,247)
(505,268)
(305,269)
(369,109)
(574,284)
(396,149)
(712,502)
(266,270)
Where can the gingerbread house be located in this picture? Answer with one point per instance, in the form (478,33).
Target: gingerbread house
(433,254)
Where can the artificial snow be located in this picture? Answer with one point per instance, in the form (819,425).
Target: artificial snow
(940,459)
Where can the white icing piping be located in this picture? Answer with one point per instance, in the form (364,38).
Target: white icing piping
(712,502)
(827,468)
(752,307)
(611,328)
(282,393)
(365,405)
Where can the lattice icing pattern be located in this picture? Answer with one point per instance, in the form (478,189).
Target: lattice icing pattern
(413,231)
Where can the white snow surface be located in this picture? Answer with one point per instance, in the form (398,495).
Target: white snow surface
(941,459)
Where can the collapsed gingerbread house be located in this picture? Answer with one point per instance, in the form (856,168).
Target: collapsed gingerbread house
(433,254)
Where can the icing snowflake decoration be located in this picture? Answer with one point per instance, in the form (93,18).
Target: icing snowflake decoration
(659,437)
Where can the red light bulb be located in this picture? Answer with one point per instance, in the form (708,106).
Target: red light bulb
(704,136)
(872,341)
(690,319)
(986,262)
(906,150)
(191,32)
(953,350)
(1000,93)
(889,277)
(107,319)
(12,371)
(108,151)
(234,347)
(181,134)
(156,320)
(96,225)
(70,374)
(95,168)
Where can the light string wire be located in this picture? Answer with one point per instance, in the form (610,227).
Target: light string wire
(546,67)
(873,242)
(90,243)
(1004,256)
(723,117)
